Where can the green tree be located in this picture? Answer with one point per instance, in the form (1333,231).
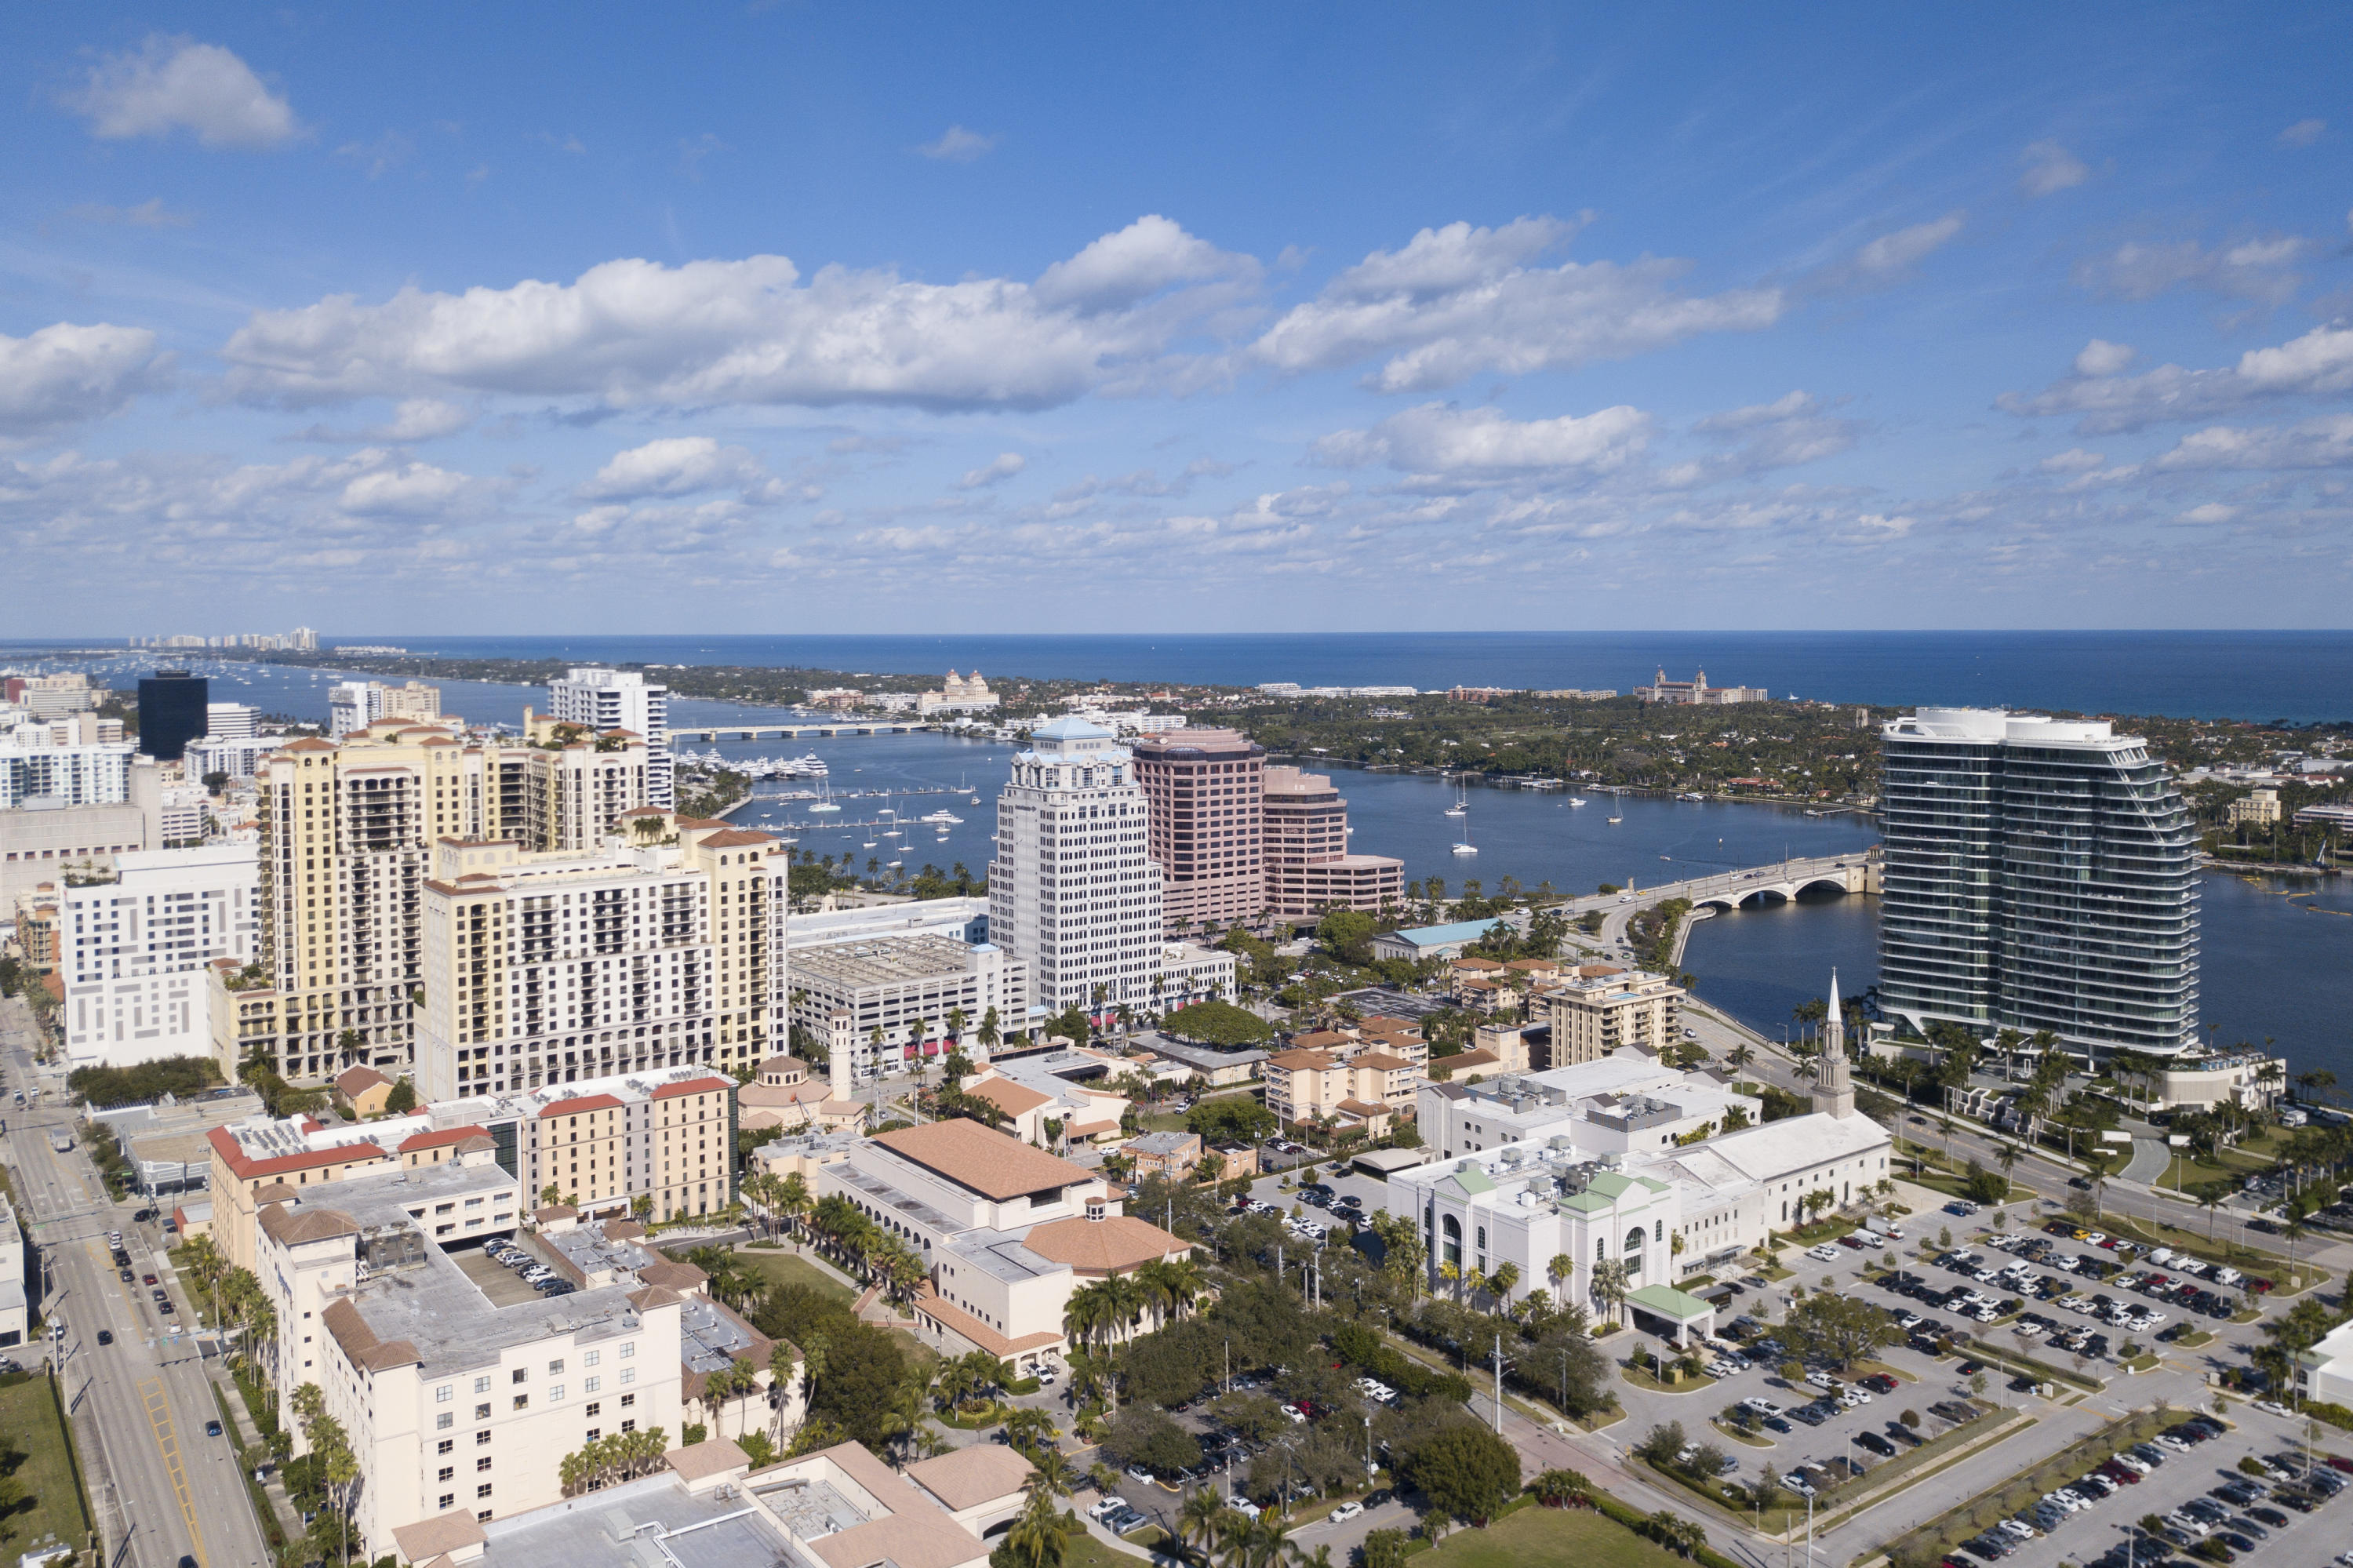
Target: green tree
(1467,1472)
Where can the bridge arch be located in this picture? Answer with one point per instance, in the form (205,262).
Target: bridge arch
(1835,884)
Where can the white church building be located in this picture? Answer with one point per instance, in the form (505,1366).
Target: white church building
(1563,1179)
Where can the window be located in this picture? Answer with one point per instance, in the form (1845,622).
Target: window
(592,1411)
(521,1375)
(556,1367)
(628,1374)
(447,1444)
(481,1464)
(481,1439)
(441,1396)
(627,1399)
(554,1392)
(593,1433)
(628,1426)
(629,1348)
(449,1499)
(483,1490)
(481,1385)
(591,1357)
(1659,1231)
(481,1413)
(442,1421)
(447,1471)
(522,1401)
(591,1385)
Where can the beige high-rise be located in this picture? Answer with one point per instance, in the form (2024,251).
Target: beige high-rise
(652,950)
(1601,1008)
(347,830)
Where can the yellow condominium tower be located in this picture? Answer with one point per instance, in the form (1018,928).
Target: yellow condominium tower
(552,967)
(347,829)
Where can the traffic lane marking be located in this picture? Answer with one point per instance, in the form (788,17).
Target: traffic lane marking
(158,1406)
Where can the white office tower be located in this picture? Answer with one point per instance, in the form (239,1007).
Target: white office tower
(133,945)
(349,708)
(622,699)
(229,721)
(1072,889)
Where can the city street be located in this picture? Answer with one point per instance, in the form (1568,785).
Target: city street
(160,1487)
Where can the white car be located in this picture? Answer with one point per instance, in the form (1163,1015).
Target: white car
(1344,1513)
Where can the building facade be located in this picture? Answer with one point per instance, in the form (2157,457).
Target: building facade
(1074,891)
(2038,875)
(605,700)
(545,967)
(347,830)
(1595,1013)
(1697,692)
(1204,798)
(899,993)
(1309,868)
(173,707)
(134,949)
(355,705)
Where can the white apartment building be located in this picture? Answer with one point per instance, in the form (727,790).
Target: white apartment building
(1072,890)
(230,721)
(451,1401)
(239,756)
(133,950)
(33,770)
(15,1306)
(1597,1010)
(621,699)
(889,987)
(539,968)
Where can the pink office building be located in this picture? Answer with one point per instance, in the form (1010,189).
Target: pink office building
(1202,791)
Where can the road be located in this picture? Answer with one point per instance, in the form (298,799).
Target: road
(162,1489)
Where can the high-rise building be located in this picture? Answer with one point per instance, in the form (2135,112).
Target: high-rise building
(347,834)
(1309,870)
(1071,889)
(621,699)
(172,713)
(355,705)
(651,950)
(229,721)
(2040,873)
(135,943)
(1203,791)
(32,771)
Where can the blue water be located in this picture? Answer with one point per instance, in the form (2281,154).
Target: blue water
(2273,966)
(2295,675)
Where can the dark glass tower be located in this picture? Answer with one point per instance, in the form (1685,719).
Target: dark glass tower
(2040,873)
(172,713)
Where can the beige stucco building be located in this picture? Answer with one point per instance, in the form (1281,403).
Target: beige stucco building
(1599,1009)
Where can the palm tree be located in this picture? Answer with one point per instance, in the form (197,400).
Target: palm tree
(1499,1283)
(2007,1160)
(1609,1284)
(1052,1473)
(782,1364)
(1559,1271)
(1036,1540)
(1198,1521)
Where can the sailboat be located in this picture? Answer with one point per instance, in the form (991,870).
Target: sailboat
(826,803)
(1461,807)
(1614,817)
(1576,800)
(1464,846)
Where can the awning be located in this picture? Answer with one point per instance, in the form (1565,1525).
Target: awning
(1666,1301)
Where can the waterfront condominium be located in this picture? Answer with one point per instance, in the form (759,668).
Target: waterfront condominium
(1073,888)
(1308,867)
(2040,874)
(1203,790)
(621,699)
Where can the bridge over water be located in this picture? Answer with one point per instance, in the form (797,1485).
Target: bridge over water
(1779,882)
(718,732)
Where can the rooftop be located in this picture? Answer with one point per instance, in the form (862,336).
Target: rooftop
(1109,1245)
(888,960)
(1442,936)
(981,1161)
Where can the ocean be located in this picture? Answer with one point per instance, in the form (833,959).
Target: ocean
(2299,676)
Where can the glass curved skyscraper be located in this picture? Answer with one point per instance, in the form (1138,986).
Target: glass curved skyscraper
(2040,874)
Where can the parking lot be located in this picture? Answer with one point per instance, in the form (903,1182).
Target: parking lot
(2285,1517)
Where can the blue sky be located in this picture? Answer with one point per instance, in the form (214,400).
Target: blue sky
(789,318)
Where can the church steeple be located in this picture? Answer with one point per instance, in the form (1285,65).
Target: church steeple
(1833,1087)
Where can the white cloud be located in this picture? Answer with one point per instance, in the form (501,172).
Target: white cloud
(176,83)
(2101,357)
(2318,363)
(2050,169)
(1436,438)
(1004,467)
(959,145)
(416,419)
(148,214)
(677,465)
(2076,459)
(66,374)
(2303,134)
(410,490)
(1893,254)
(2248,271)
(631,333)
(1790,430)
(2212,511)
(1459,300)
(1143,258)
(2322,442)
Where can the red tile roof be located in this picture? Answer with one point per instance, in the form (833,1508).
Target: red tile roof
(579,1105)
(694,1086)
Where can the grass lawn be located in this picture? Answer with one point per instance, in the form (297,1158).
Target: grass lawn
(29,1417)
(1549,1538)
(784,1268)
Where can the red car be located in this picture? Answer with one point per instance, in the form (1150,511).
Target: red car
(146,1279)
(2338,1462)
